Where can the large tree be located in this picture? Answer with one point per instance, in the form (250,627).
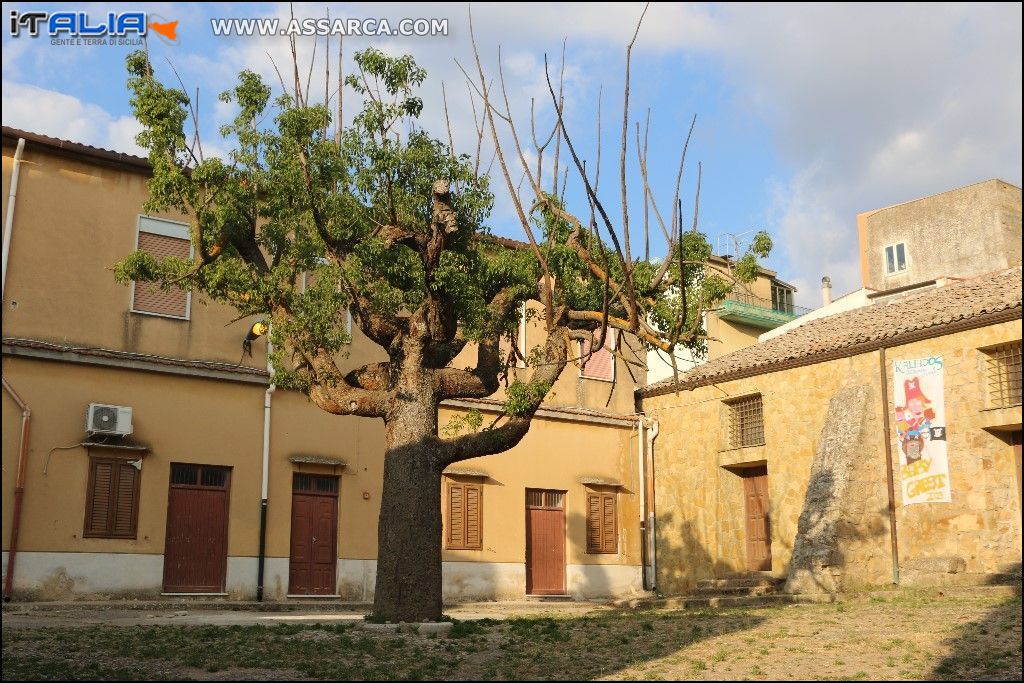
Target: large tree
(383,220)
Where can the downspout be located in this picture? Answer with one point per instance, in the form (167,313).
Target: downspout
(641,458)
(19,486)
(9,218)
(265,474)
(652,545)
(888,467)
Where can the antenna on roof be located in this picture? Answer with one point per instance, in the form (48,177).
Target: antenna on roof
(732,245)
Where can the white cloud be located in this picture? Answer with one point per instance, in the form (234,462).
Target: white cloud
(62,116)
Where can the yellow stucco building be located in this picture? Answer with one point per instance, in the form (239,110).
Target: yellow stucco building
(175,507)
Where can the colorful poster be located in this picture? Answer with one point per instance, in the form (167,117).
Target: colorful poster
(919,402)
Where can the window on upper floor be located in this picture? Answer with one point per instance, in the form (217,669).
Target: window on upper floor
(744,422)
(1003,374)
(895,258)
(162,238)
(782,297)
(601,363)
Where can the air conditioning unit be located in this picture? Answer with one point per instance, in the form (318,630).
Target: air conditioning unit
(104,419)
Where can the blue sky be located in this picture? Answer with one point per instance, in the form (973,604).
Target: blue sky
(807,114)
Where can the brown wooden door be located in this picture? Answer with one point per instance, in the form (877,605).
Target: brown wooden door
(545,542)
(759,533)
(196,549)
(313,563)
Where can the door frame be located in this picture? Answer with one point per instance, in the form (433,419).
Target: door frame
(227,522)
(336,496)
(526,512)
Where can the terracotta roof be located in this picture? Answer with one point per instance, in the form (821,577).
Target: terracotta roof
(984,300)
(76,149)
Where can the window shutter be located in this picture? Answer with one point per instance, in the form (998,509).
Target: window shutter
(465,516)
(148,298)
(456,517)
(124,501)
(601,364)
(112,499)
(593,523)
(99,505)
(608,536)
(473,517)
(601,523)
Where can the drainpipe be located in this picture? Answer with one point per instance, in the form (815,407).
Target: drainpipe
(641,458)
(265,474)
(9,218)
(652,546)
(19,486)
(888,467)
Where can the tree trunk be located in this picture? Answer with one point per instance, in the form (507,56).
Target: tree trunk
(409,529)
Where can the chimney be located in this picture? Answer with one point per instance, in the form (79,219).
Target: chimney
(826,290)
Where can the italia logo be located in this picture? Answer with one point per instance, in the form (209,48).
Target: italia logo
(81,25)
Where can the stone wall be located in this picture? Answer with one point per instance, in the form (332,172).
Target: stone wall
(699,500)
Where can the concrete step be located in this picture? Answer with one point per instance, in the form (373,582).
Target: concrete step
(725,601)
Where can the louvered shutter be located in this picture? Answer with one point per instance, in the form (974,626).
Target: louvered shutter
(124,503)
(149,298)
(608,535)
(593,523)
(456,516)
(112,499)
(601,364)
(473,517)
(97,519)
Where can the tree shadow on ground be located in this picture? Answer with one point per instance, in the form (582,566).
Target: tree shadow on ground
(987,649)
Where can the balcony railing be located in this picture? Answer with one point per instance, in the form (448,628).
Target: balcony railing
(758,312)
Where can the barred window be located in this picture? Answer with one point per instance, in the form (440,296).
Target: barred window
(1004,375)
(745,421)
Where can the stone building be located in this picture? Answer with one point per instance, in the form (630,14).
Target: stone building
(874,446)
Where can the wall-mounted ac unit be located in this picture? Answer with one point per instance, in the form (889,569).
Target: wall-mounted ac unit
(105,419)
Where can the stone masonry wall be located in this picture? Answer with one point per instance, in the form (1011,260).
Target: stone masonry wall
(699,502)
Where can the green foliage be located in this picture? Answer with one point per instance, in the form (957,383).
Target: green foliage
(292,193)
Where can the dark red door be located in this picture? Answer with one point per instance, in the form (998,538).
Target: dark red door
(759,534)
(196,549)
(545,542)
(314,559)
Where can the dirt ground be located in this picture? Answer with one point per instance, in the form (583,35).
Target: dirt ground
(899,636)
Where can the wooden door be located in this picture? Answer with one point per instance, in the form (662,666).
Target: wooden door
(312,566)
(545,542)
(759,533)
(196,548)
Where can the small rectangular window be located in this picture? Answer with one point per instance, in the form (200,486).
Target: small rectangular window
(745,422)
(601,363)
(465,517)
(1003,369)
(112,499)
(162,239)
(895,258)
(602,533)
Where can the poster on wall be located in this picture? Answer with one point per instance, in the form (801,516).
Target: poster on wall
(919,402)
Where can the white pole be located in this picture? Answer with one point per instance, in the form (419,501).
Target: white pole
(9,218)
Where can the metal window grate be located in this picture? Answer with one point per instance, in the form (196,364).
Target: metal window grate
(314,484)
(539,498)
(746,422)
(1004,375)
(186,475)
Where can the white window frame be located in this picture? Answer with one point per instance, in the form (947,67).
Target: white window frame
(895,259)
(167,228)
(614,335)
